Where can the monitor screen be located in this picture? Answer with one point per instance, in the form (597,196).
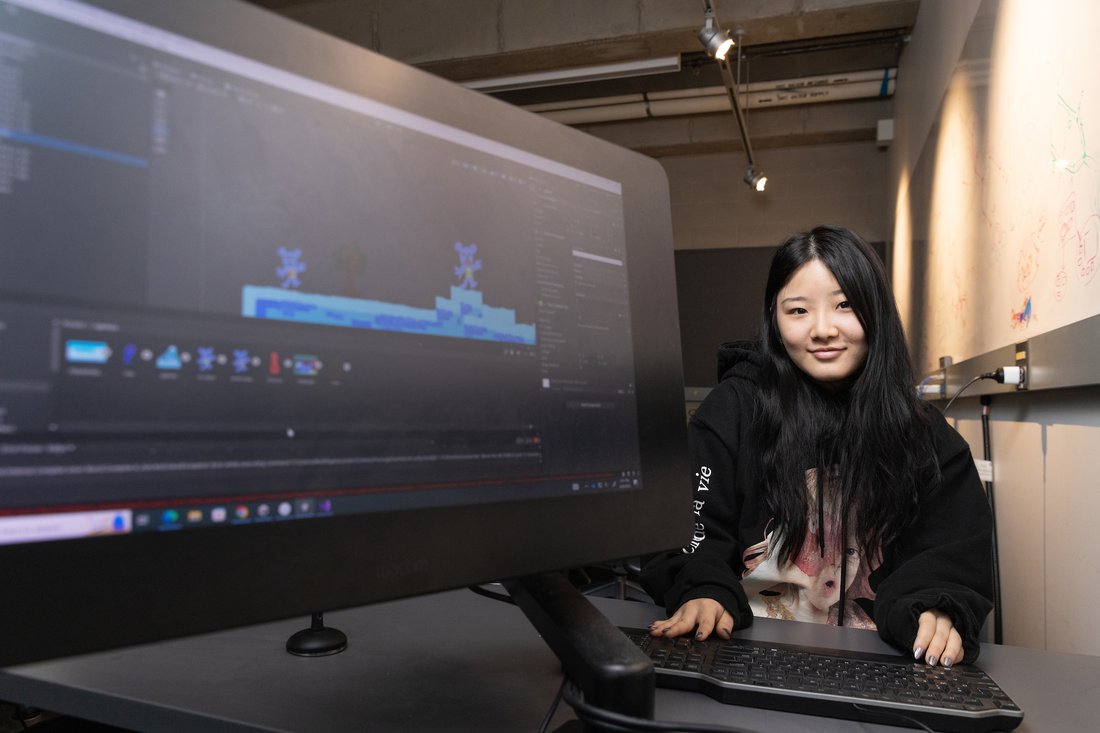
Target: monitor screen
(286,326)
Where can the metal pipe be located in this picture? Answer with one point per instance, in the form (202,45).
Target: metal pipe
(750,91)
(731,90)
(637,106)
(987,453)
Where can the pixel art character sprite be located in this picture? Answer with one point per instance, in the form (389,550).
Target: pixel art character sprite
(241,360)
(467,265)
(206,359)
(291,268)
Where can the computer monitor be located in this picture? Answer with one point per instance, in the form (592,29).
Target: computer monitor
(287,326)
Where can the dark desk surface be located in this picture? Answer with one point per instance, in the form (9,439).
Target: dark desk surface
(452,661)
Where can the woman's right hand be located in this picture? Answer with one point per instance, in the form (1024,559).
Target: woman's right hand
(703,615)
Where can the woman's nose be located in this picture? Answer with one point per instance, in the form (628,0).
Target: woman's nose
(824,326)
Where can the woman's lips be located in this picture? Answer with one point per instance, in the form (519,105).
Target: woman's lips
(827,354)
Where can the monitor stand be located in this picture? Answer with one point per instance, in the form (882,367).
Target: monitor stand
(610,670)
(318,640)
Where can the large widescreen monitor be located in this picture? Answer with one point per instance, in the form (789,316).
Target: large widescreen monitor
(287,326)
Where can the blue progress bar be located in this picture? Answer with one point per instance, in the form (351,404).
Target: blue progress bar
(67,146)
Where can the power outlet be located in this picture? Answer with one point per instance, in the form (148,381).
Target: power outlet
(1021,361)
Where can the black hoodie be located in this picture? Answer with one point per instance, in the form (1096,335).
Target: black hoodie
(943,560)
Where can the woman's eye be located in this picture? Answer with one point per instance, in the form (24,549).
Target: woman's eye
(844,305)
(797,311)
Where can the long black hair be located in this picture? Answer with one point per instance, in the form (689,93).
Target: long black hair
(871,434)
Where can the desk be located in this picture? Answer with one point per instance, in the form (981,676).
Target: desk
(451,661)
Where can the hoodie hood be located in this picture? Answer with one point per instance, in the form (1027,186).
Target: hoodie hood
(739,359)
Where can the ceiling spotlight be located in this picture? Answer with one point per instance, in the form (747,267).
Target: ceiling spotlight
(756,179)
(718,44)
(717,41)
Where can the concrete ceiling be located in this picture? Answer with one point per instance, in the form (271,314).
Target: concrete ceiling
(465,40)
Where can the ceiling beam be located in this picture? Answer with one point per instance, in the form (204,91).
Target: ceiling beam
(522,46)
(862,18)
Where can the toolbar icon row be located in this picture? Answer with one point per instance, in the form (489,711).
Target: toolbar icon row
(206,359)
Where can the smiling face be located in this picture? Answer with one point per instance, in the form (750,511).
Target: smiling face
(819,329)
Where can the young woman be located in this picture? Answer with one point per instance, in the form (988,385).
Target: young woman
(824,489)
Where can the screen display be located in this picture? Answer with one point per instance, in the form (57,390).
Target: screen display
(233,294)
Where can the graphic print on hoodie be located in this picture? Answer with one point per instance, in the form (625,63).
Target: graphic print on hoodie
(810,588)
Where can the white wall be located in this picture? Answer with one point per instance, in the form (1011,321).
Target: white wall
(1044,443)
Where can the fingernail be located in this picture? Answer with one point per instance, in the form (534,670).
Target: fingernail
(698,636)
(918,651)
(932,660)
(947,661)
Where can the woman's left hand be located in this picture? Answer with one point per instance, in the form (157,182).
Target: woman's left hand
(937,641)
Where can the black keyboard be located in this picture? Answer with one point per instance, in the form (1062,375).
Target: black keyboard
(876,688)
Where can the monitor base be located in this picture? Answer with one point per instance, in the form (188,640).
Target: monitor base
(318,640)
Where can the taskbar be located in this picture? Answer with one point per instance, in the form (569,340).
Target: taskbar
(167,517)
